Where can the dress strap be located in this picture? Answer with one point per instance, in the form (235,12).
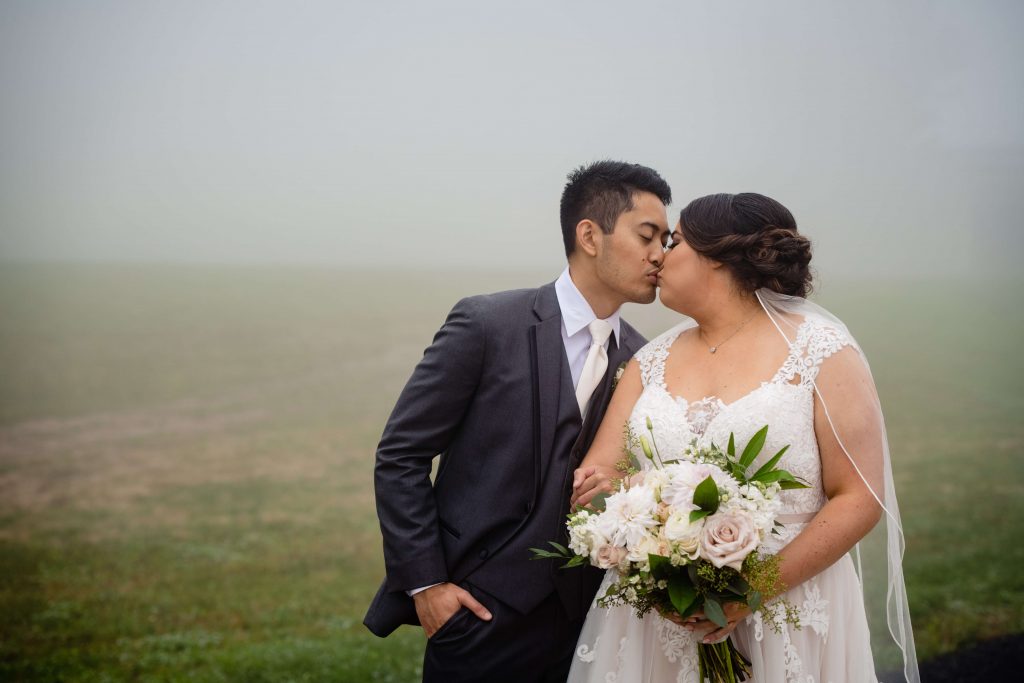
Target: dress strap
(652,359)
(815,341)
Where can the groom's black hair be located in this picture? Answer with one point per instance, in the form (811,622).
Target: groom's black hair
(602,191)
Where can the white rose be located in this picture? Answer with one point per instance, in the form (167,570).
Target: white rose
(728,538)
(646,545)
(683,534)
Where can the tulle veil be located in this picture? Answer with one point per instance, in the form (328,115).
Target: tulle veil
(885,562)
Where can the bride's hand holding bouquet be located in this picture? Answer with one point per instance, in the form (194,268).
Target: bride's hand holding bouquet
(681,534)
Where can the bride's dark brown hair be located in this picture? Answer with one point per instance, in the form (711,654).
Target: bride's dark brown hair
(752,235)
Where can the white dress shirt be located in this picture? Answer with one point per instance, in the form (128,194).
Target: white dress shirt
(576,317)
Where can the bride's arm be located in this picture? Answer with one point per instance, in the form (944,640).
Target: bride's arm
(851,511)
(597,472)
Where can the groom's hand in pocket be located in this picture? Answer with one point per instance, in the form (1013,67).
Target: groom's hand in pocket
(437,604)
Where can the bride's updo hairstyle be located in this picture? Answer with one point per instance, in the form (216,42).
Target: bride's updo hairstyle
(754,236)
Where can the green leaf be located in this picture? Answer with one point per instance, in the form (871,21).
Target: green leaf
(659,565)
(794,484)
(560,548)
(775,475)
(771,463)
(754,446)
(739,585)
(598,501)
(682,593)
(726,596)
(705,496)
(769,477)
(731,449)
(576,561)
(539,554)
(738,471)
(754,600)
(692,609)
(714,612)
(698,514)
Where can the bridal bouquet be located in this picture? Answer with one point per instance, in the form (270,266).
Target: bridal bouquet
(682,535)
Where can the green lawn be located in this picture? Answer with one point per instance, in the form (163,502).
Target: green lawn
(186,458)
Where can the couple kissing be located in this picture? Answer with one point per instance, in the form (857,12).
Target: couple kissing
(525,396)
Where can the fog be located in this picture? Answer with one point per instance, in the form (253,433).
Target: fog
(403,134)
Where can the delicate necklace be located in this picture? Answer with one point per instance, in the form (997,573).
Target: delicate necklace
(714,348)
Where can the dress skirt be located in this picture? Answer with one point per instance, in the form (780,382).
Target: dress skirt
(832,645)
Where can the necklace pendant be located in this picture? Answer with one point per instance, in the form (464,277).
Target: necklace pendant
(713,349)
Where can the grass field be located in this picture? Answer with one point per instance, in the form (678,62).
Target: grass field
(186,458)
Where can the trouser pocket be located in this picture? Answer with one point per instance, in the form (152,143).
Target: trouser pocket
(453,626)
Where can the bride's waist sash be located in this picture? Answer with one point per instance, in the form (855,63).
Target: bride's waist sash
(795,517)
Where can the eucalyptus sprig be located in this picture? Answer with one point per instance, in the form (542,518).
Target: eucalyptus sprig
(560,553)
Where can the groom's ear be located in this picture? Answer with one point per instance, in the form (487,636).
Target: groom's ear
(586,237)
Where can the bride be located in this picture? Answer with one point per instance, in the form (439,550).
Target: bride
(756,352)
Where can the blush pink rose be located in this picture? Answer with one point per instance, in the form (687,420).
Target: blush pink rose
(728,539)
(608,556)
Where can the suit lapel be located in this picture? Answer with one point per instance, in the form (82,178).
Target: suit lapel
(547,351)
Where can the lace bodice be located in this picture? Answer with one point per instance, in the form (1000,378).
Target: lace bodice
(832,643)
(785,403)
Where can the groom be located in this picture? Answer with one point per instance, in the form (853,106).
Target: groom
(510,393)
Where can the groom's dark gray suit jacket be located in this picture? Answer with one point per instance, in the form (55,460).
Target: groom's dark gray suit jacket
(493,395)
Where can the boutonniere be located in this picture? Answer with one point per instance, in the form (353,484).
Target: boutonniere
(618,374)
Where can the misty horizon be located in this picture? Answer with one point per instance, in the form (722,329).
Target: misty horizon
(408,136)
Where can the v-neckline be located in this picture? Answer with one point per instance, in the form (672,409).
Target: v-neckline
(722,405)
(700,423)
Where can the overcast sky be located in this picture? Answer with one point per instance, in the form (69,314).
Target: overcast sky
(439,133)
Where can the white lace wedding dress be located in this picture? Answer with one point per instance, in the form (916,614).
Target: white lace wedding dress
(833,644)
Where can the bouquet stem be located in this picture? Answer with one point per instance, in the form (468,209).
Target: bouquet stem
(722,663)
